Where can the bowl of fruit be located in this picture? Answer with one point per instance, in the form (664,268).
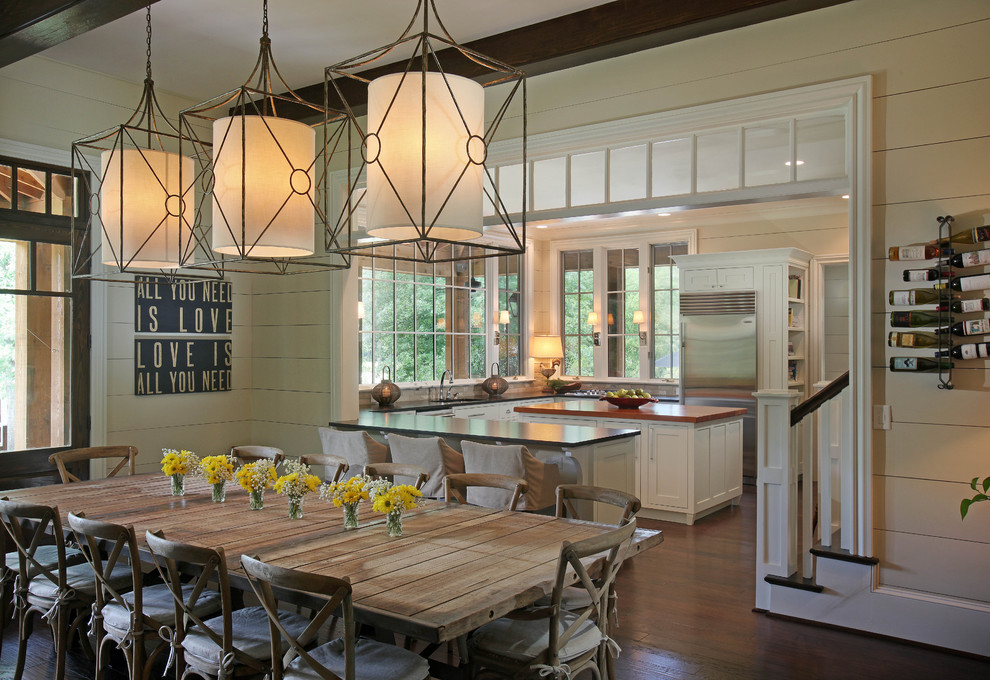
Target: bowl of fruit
(628,398)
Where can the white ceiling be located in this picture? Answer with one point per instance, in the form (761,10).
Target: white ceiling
(202,48)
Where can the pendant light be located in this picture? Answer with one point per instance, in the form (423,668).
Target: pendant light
(424,148)
(261,164)
(138,200)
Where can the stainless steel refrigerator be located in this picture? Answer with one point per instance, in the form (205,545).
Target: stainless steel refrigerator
(718,359)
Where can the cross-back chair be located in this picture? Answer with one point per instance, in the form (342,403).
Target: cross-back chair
(455,489)
(628,504)
(61,459)
(394,470)
(249,454)
(60,592)
(335,466)
(341,659)
(551,641)
(231,644)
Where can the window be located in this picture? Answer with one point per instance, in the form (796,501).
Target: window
(43,373)
(633,286)
(577,300)
(621,303)
(666,310)
(422,319)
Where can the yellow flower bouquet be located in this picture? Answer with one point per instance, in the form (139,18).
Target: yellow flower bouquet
(393,502)
(217,471)
(176,465)
(296,483)
(347,494)
(255,478)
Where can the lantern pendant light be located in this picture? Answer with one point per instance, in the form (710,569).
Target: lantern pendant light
(262,164)
(424,149)
(144,210)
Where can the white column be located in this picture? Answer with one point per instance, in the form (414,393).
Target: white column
(776,490)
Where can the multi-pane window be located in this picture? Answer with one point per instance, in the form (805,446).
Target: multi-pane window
(35,306)
(509,307)
(422,319)
(577,300)
(666,310)
(621,305)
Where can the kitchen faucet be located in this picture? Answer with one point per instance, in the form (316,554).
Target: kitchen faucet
(446,373)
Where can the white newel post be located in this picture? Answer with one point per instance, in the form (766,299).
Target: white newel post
(776,489)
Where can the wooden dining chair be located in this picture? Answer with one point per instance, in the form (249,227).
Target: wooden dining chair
(396,471)
(344,658)
(334,466)
(60,593)
(455,490)
(233,643)
(130,620)
(553,642)
(61,459)
(628,504)
(249,454)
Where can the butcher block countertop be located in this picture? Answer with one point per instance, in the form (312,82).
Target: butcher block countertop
(662,412)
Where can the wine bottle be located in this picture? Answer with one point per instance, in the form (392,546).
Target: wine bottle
(914,319)
(919,251)
(918,364)
(927,274)
(918,296)
(966,306)
(974,327)
(972,350)
(896,339)
(978,235)
(975,282)
(975,258)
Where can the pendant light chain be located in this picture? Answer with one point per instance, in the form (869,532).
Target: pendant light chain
(148,66)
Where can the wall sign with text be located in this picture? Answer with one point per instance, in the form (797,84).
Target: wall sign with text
(197,317)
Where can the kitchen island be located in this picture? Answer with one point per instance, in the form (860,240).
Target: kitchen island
(586,453)
(689,459)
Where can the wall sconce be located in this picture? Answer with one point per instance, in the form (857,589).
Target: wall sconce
(593,321)
(360,309)
(639,319)
(503,320)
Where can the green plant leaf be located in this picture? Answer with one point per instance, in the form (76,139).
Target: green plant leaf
(973,483)
(986,484)
(964,507)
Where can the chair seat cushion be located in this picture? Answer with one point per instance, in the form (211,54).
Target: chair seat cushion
(78,577)
(250,635)
(372,661)
(573,597)
(157,603)
(524,640)
(47,555)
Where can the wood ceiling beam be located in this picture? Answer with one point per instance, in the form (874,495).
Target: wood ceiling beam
(30,26)
(602,32)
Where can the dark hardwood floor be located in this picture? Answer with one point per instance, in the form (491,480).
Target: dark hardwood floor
(685,612)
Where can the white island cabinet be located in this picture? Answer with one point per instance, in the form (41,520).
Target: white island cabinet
(690,458)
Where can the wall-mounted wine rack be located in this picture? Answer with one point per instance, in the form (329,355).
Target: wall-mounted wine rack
(945,340)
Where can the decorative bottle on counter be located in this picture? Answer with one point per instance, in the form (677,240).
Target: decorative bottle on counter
(920,251)
(972,350)
(918,364)
(975,282)
(895,339)
(927,274)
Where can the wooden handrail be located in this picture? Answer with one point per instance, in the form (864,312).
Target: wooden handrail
(815,401)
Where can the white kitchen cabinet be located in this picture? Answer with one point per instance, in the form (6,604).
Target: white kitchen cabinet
(716,278)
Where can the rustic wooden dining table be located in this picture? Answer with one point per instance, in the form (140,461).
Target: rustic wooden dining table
(454,568)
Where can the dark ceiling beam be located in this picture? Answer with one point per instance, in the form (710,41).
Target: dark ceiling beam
(31,26)
(602,32)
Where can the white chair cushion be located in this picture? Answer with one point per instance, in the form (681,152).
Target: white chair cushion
(250,635)
(524,640)
(78,577)
(157,602)
(372,661)
(421,451)
(359,448)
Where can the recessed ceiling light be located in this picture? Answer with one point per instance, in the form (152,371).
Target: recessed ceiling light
(846,196)
(663,214)
(788,163)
